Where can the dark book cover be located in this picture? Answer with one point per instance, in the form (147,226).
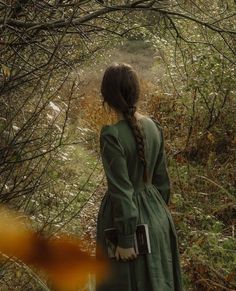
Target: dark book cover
(141,240)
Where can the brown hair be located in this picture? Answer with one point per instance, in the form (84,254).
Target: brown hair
(120,90)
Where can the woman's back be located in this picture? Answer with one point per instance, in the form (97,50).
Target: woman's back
(152,140)
(154,153)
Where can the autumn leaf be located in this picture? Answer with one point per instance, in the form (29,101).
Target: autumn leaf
(6,71)
(61,258)
(16,240)
(211,137)
(65,263)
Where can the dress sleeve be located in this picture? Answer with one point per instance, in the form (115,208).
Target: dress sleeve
(125,212)
(160,176)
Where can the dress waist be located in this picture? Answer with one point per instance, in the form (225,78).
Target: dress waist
(144,187)
(139,188)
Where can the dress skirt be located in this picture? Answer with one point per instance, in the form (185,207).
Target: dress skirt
(157,271)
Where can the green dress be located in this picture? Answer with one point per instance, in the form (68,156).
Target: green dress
(129,201)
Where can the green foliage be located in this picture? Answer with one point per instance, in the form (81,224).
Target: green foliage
(51,166)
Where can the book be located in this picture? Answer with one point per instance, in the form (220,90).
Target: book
(141,240)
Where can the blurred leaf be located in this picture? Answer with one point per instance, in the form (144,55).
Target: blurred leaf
(62,258)
(65,262)
(15,238)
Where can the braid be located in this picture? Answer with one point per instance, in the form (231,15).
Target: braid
(132,121)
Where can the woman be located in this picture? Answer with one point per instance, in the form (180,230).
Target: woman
(133,157)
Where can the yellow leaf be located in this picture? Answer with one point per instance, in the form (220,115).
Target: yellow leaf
(6,71)
(63,258)
(15,238)
(210,137)
(65,263)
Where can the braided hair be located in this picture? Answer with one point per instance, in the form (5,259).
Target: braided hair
(120,89)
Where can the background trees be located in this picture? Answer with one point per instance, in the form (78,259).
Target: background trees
(44,47)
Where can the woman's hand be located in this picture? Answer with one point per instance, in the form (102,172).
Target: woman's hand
(125,254)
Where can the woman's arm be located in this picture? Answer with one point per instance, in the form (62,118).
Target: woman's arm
(125,213)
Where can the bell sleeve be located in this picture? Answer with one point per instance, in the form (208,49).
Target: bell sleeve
(161,178)
(120,188)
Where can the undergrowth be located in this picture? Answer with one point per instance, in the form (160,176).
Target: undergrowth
(201,165)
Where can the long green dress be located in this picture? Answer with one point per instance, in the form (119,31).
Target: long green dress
(129,201)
